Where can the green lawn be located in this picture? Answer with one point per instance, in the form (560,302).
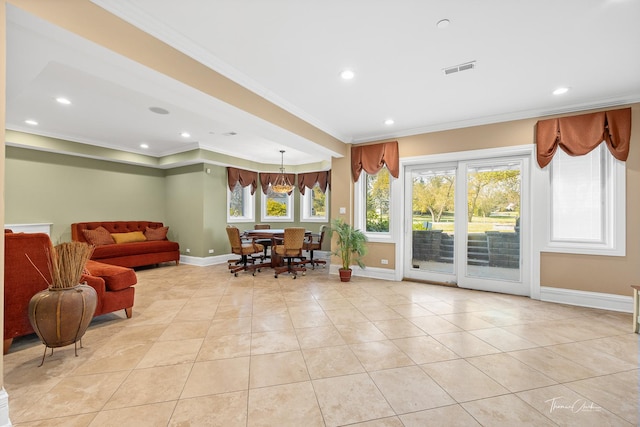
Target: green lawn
(500,221)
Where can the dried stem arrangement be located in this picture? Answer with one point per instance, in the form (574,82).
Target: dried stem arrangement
(66,263)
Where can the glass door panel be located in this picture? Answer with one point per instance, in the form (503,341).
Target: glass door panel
(432,223)
(493,221)
(462,223)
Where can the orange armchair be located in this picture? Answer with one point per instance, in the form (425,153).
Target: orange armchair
(113,284)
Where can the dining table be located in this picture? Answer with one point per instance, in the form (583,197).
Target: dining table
(272,234)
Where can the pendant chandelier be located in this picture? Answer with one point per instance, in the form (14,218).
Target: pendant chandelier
(281,183)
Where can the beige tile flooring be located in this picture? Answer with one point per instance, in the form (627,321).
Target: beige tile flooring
(205,348)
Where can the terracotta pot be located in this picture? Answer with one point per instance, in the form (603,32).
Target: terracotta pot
(345,274)
(61,316)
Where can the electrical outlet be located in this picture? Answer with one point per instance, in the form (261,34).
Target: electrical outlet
(210,251)
(384,261)
(188,250)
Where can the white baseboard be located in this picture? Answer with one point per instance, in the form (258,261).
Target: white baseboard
(587,299)
(206,261)
(370,272)
(4,408)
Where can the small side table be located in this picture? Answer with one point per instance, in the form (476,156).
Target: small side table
(636,306)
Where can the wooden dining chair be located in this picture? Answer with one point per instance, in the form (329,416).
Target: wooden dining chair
(290,250)
(314,242)
(264,242)
(246,249)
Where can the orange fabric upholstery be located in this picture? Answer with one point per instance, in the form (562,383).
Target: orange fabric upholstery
(133,254)
(113,285)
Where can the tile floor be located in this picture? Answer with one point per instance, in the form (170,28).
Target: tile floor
(205,348)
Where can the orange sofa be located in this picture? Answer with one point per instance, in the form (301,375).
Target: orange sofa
(113,284)
(152,250)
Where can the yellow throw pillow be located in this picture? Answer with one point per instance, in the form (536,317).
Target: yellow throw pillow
(134,236)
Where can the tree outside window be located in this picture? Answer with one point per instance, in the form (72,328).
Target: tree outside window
(314,205)
(276,206)
(240,204)
(377,198)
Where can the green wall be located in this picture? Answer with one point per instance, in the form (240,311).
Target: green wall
(215,211)
(183,200)
(42,187)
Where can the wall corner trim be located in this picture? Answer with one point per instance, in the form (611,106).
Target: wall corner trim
(205,261)
(370,272)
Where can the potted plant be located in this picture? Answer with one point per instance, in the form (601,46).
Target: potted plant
(61,314)
(352,246)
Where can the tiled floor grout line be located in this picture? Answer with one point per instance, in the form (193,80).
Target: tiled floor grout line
(270,311)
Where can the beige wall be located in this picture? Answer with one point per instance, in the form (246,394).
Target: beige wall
(3,81)
(578,272)
(600,273)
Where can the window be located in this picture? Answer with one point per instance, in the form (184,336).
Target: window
(240,204)
(314,205)
(375,201)
(277,206)
(587,203)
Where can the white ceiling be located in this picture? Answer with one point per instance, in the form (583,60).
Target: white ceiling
(291,52)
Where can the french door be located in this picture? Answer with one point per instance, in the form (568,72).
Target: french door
(467,223)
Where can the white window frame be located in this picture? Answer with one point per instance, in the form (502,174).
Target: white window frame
(613,242)
(306,202)
(360,210)
(249,213)
(263,211)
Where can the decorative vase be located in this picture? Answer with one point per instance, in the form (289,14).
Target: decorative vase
(345,274)
(61,316)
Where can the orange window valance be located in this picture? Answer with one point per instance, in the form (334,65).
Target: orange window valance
(243,177)
(371,158)
(578,135)
(267,178)
(309,179)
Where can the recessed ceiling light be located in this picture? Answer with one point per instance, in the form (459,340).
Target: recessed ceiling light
(443,23)
(31,122)
(389,122)
(347,74)
(63,101)
(185,135)
(561,90)
(143,145)
(158,110)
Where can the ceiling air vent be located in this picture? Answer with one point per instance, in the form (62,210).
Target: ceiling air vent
(461,67)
